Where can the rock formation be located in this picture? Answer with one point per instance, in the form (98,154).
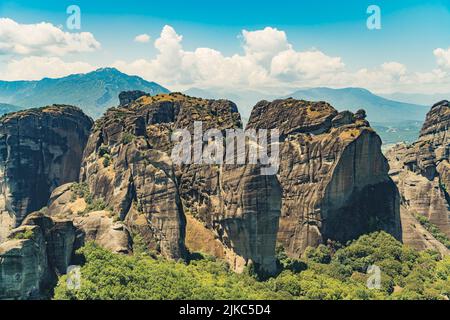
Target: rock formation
(33,255)
(421,172)
(40,149)
(333,175)
(127,164)
(121,183)
(93,224)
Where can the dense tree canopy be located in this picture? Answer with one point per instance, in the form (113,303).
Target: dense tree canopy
(327,272)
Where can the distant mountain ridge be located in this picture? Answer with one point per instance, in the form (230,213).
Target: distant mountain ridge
(7,108)
(419,98)
(378,109)
(93,92)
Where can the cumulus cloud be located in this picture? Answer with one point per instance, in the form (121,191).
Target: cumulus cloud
(42,39)
(268,62)
(142,38)
(442,57)
(271,62)
(36,68)
(268,59)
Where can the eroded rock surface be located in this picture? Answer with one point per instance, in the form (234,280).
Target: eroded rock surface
(334,178)
(33,255)
(40,149)
(421,172)
(92,224)
(128,164)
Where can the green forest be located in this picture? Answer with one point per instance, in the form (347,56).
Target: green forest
(330,272)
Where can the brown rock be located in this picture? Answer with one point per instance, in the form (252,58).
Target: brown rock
(40,149)
(333,175)
(421,172)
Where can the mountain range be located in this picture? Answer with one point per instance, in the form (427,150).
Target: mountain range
(378,109)
(7,108)
(418,98)
(94,92)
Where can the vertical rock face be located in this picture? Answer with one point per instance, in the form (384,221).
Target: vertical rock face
(24,268)
(134,177)
(33,255)
(127,163)
(40,149)
(421,172)
(334,178)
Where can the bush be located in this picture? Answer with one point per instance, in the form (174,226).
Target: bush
(96,205)
(434,230)
(106,160)
(128,137)
(26,234)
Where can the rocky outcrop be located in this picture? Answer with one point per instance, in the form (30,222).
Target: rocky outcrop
(421,172)
(127,164)
(334,178)
(40,149)
(127,97)
(33,255)
(92,224)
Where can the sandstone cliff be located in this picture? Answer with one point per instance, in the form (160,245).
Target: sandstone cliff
(40,149)
(421,172)
(334,178)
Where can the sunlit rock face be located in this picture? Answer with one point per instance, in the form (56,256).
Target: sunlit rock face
(421,172)
(40,149)
(334,178)
(152,195)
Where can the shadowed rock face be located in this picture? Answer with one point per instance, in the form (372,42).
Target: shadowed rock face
(33,255)
(333,175)
(152,195)
(40,149)
(421,172)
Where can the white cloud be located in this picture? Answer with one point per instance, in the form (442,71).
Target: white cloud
(262,45)
(292,65)
(36,68)
(269,62)
(442,57)
(42,39)
(268,58)
(142,38)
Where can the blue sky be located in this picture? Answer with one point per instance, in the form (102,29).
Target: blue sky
(411,32)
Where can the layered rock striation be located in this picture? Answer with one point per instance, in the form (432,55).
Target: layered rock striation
(421,172)
(40,149)
(334,178)
(127,163)
(33,255)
